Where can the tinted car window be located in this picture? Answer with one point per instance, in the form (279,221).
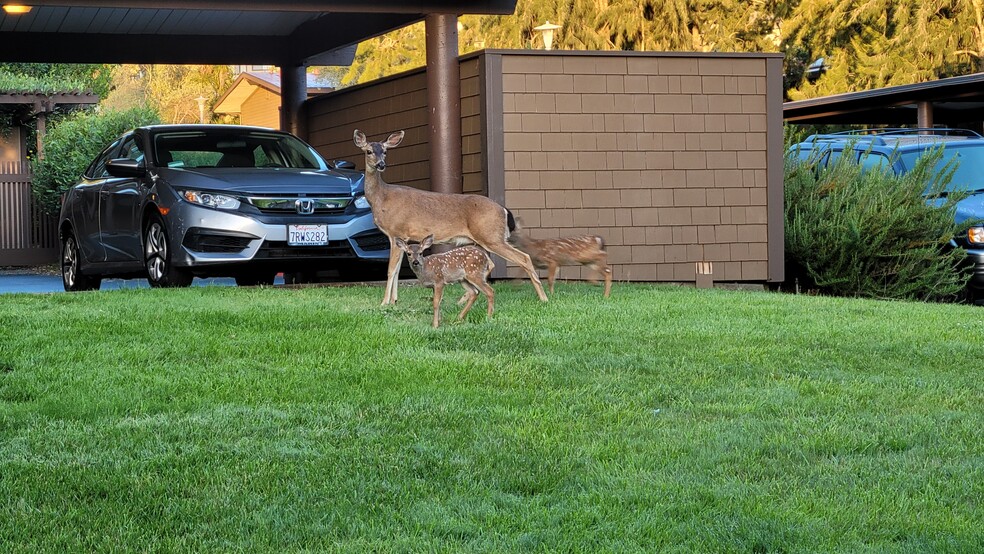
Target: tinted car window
(97,170)
(132,149)
(875,160)
(220,148)
(969,172)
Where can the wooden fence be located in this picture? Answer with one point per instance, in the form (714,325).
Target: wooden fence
(28,236)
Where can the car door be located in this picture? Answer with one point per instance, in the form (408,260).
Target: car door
(121,199)
(85,214)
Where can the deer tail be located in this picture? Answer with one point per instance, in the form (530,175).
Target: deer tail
(510,221)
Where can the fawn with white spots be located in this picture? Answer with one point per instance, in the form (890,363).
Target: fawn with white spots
(468,265)
(550,254)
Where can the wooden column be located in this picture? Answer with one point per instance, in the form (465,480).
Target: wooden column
(293,93)
(444,102)
(924,114)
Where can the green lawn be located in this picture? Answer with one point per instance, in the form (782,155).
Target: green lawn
(665,419)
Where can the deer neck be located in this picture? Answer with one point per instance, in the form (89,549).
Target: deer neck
(374,184)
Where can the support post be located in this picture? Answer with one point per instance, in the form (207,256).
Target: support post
(444,102)
(924,114)
(293,93)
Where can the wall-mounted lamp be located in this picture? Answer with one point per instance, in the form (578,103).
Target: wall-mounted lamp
(16,9)
(547,30)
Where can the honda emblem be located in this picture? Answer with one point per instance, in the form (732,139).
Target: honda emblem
(305,206)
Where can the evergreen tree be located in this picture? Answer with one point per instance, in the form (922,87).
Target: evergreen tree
(869,44)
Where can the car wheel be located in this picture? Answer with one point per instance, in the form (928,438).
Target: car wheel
(72,277)
(157,257)
(256,278)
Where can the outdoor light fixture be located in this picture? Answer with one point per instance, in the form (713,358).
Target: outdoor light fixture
(16,9)
(816,69)
(547,30)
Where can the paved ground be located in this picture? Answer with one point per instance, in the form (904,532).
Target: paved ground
(31,281)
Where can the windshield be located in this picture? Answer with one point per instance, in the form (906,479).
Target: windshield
(233,148)
(969,173)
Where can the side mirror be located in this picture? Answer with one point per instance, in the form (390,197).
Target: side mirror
(125,167)
(342,164)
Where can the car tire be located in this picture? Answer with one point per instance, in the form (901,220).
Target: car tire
(72,277)
(158,256)
(256,278)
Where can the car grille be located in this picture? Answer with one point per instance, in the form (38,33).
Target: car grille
(372,241)
(274,250)
(200,240)
(288,204)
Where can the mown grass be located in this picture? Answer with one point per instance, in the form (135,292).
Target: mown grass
(664,419)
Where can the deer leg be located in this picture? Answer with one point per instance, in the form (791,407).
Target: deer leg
(489,295)
(438,294)
(469,289)
(607,270)
(552,275)
(521,259)
(471,294)
(392,273)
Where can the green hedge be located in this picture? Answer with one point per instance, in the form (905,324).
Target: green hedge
(72,144)
(872,233)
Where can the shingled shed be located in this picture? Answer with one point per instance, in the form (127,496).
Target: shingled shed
(674,158)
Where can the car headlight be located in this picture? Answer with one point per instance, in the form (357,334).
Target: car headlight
(219,201)
(361,202)
(975,235)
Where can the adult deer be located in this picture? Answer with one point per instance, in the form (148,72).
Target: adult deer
(413,214)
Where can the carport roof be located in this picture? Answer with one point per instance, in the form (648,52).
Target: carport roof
(955,101)
(212,32)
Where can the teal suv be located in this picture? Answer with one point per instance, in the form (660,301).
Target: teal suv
(898,149)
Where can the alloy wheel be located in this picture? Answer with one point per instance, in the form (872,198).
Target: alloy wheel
(155,251)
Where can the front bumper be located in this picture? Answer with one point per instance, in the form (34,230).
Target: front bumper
(976,258)
(209,237)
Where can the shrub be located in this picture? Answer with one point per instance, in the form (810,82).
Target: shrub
(872,233)
(72,143)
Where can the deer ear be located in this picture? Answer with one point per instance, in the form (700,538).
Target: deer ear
(399,242)
(427,242)
(394,140)
(360,138)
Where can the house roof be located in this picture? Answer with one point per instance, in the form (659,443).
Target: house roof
(249,81)
(955,101)
(212,32)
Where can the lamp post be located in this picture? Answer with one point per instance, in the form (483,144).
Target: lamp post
(547,30)
(201,108)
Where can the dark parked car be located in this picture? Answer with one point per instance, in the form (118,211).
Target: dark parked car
(897,150)
(171,202)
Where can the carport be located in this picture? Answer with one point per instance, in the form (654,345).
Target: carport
(291,34)
(954,102)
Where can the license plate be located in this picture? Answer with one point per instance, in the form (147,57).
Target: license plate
(307,235)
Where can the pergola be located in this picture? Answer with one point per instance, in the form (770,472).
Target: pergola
(291,34)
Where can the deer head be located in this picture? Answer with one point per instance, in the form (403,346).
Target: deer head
(376,151)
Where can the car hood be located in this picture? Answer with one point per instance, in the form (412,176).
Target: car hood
(971,207)
(259,181)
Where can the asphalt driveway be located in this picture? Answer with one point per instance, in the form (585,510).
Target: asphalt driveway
(31,281)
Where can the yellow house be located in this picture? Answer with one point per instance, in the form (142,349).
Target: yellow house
(255,97)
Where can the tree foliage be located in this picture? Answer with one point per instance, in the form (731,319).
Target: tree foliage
(865,43)
(851,232)
(170,90)
(72,144)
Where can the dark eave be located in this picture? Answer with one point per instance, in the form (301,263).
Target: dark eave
(291,32)
(955,100)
